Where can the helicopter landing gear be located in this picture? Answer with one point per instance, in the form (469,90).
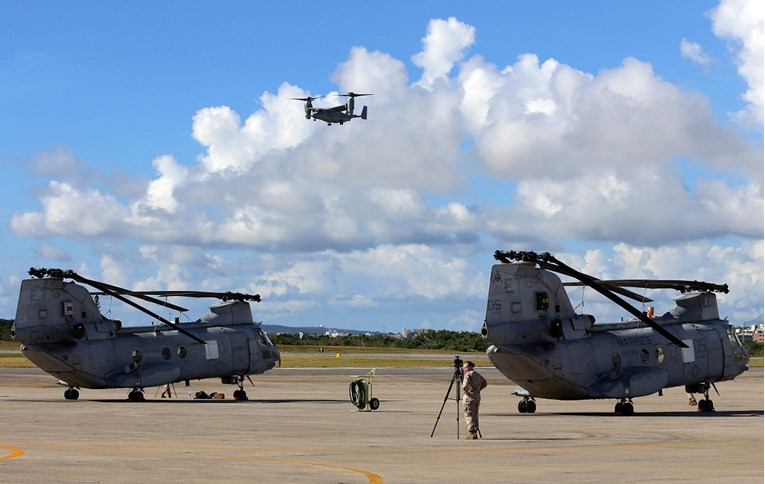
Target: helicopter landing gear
(624,407)
(136,395)
(704,404)
(240,394)
(71,393)
(527,405)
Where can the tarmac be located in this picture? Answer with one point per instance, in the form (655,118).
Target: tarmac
(299,425)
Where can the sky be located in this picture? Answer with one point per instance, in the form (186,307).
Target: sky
(154,146)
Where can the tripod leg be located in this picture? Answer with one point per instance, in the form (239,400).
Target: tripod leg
(442,406)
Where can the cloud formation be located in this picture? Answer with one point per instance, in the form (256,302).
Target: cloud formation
(398,202)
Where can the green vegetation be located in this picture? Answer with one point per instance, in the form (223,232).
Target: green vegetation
(5,329)
(459,341)
(754,349)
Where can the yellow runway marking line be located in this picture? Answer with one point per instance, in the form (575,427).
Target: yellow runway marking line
(373,478)
(14,452)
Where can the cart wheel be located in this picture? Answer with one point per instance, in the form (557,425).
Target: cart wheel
(374,404)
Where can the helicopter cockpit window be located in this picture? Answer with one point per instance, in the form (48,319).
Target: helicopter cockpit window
(182,352)
(166,353)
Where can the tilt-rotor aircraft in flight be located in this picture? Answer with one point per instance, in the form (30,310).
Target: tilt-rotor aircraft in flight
(337,114)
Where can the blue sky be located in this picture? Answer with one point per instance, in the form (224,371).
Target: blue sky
(153,145)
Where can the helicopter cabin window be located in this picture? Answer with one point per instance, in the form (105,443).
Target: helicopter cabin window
(166,353)
(616,359)
(659,354)
(182,352)
(644,356)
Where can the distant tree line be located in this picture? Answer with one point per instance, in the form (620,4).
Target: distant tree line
(753,348)
(426,340)
(5,329)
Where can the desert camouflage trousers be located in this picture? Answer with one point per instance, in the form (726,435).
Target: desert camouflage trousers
(470,410)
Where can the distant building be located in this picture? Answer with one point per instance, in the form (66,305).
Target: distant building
(753,332)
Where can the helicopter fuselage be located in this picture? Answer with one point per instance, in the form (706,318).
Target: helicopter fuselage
(62,332)
(540,343)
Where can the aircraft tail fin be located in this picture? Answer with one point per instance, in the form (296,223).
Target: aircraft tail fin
(364,113)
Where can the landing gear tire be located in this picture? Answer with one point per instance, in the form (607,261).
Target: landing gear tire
(136,396)
(240,395)
(527,406)
(374,404)
(71,394)
(706,405)
(624,408)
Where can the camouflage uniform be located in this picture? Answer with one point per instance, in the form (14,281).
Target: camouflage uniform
(472,384)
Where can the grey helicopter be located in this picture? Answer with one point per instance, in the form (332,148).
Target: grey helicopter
(62,331)
(337,114)
(541,343)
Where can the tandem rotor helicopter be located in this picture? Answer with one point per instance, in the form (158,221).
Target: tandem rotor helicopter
(338,114)
(540,343)
(62,331)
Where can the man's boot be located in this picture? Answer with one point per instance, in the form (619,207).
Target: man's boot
(471,436)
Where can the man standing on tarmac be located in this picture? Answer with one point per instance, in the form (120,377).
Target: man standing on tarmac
(472,384)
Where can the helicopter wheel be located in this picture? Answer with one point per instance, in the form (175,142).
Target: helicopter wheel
(240,395)
(706,405)
(136,396)
(527,405)
(71,394)
(531,406)
(624,408)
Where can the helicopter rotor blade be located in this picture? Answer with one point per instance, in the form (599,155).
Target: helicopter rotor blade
(548,262)
(677,284)
(100,285)
(617,289)
(225,296)
(119,296)
(113,291)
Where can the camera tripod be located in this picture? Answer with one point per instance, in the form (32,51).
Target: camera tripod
(457,376)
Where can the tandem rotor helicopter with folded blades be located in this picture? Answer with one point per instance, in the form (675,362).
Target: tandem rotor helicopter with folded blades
(62,331)
(337,114)
(543,345)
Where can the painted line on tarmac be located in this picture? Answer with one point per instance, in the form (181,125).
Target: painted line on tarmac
(373,478)
(14,452)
